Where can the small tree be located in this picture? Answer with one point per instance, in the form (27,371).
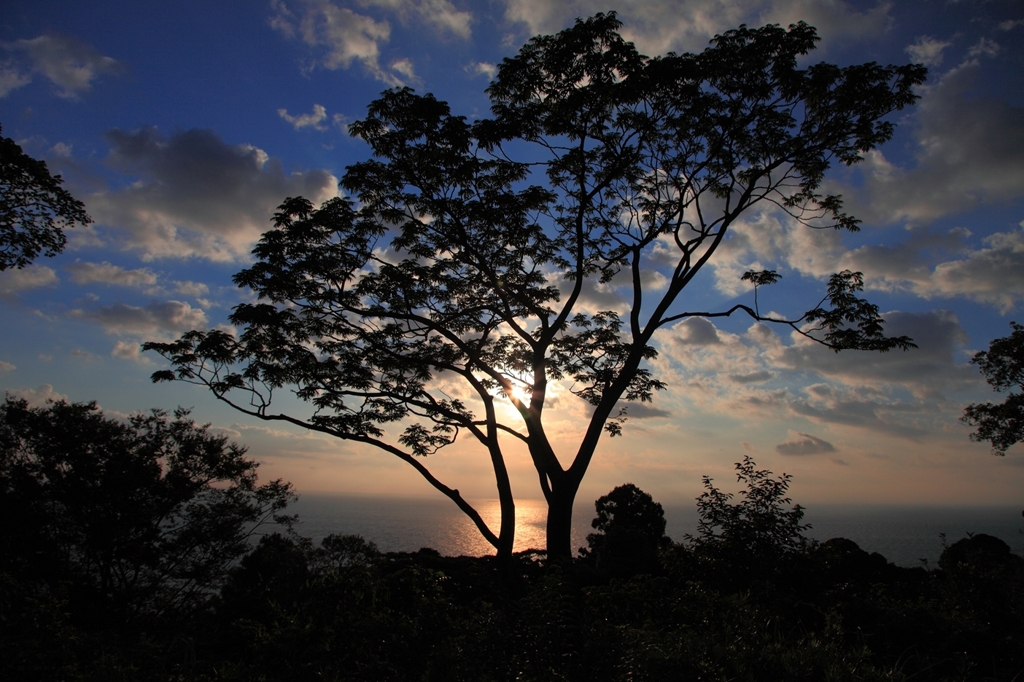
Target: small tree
(456,275)
(34,209)
(631,530)
(1003,366)
(758,530)
(143,516)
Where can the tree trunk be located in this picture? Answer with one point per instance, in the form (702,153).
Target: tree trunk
(559,527)
(507,533)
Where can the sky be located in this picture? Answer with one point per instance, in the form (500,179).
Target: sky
(181,126)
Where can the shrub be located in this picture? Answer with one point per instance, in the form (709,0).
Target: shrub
(143,516)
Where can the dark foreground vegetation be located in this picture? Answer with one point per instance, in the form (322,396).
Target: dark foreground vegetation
(124,558)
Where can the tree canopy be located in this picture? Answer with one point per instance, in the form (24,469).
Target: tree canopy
(135,517)
(630,529)
(34,208)
(455,272)
(1003,366)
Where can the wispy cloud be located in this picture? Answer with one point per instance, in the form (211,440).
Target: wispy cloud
(441,14)
(157,317)
(339,34)
(314,119)
(105,273)
(927,50)
(38,397)
(69,64)
(32,277)
(483,69)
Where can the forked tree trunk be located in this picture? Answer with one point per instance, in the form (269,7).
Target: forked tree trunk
(559,525)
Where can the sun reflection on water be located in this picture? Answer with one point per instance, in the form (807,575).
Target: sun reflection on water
(406,525)
(531,519)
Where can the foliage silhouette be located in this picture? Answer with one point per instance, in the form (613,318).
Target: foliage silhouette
(34,209)
(631,529)
(456,274)
(341,610)
(756,534)
(1003,366)
(136,518)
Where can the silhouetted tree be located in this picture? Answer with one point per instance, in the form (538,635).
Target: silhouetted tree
(631,530)
(1003,367)
(142,516)
(454,274)
(755,532)
(34,209)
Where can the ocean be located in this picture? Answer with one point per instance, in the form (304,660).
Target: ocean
(905,535)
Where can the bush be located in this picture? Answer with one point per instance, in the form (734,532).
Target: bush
(758,533)
(631,531)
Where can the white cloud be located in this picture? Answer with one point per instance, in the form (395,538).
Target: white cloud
(129,350)
(68,63)
(105,273)
(194,289)
(660,26)
(905,395)
(340,121)
(404,66)
(986,47)
(38,397)
(993,274)
(695,331)
(804,444)
(340,36)
(441,13)
(926,263)
(344,35)
(483,69)
(6,367)
(314,120)
(195,195)
(31,277)
(927,50)
(157,317)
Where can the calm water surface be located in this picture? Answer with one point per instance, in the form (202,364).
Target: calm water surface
(904,535)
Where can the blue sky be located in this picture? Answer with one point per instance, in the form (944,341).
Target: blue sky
(183,125)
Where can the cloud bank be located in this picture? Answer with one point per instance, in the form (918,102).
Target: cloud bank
(196,196)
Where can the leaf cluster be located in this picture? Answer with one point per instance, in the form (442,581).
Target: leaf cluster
(852,322)
(34,208)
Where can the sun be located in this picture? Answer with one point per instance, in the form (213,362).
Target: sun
(521,392)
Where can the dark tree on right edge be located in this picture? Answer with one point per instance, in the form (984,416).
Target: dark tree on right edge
(453,275)
(1003,367)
